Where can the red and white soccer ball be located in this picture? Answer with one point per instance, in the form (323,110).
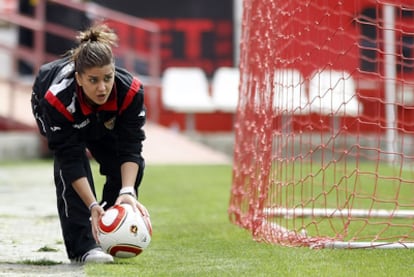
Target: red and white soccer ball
(124,233)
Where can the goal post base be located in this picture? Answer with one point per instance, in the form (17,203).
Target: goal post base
(364,245)
(273,232)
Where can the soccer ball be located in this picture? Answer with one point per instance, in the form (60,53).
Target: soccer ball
(124,233)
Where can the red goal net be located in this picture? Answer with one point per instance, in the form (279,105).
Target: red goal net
(324,145)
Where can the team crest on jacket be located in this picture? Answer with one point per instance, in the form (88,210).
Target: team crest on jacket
(110,124)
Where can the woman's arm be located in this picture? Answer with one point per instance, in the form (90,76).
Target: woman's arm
(83,189)
(127,194)
(129,172)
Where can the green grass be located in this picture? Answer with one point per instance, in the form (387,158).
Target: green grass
(362,185)
(192,236)
(346,186)
(42,262)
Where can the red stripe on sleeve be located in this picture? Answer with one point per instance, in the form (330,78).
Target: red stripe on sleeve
(133,90)
(55,102)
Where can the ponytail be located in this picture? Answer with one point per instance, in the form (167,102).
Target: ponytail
(95,48)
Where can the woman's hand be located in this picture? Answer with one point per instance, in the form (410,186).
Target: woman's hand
(128,199)
(97,212)
(132,200)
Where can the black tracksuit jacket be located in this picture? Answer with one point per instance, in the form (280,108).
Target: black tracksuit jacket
(70,124)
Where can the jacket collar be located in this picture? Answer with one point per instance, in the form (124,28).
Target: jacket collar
(110,105)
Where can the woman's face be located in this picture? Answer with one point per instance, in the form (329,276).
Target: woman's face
(97,83)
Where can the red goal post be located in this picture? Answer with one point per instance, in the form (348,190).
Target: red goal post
(324,134)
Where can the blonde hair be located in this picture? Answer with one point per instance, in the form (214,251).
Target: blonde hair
(95,48)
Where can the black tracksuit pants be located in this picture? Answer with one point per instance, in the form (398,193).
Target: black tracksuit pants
(73,213)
